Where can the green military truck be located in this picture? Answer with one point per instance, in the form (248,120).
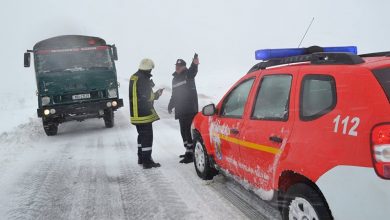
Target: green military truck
(76,80)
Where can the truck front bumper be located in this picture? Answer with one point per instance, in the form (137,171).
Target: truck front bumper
(81,110)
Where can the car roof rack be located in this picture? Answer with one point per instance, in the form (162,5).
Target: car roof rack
(377,54)
(321,58)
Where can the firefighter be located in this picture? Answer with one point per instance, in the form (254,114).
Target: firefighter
(184,100)
(142,113)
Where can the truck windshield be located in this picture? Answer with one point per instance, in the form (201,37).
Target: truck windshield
(74,59)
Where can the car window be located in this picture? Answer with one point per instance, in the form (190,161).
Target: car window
(273,98)
(234,104)
(318,96)
(383,77)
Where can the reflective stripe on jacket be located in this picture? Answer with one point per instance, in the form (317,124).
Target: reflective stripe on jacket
(142,99)
(184,97)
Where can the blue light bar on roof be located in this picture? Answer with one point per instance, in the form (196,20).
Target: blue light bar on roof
(268,54)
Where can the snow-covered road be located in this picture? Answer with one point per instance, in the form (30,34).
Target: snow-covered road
(90,172)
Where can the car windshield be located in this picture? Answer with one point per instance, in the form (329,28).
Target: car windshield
(73,60)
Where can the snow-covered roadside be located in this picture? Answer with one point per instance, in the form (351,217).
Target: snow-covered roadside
(88,171)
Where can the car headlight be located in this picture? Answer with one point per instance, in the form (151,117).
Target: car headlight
(112,93)
(45,100)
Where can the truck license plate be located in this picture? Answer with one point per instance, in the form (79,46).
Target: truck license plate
(81,96)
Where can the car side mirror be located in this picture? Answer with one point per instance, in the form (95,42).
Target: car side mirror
(114,52)
(27,59)
(209,110)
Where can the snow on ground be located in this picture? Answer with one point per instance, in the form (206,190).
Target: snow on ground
(90,172)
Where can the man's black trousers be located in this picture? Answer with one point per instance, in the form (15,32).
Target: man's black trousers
(145,140)
(185,130)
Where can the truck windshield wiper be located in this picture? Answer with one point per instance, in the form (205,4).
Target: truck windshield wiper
(99,68)
(55,70)
(75,69)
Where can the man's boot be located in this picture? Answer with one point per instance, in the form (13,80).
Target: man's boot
(147,162)
(188,157)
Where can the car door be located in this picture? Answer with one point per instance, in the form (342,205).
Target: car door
(264,135)
(225,126)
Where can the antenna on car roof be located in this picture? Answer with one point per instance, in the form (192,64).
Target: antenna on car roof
(307,30)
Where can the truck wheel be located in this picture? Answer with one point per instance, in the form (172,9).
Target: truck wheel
(50,128)
(201,161)
(108,118)
(304,202)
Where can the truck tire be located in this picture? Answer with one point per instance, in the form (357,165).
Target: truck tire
(108,118)
(50,128)
(304,202)
(203,167)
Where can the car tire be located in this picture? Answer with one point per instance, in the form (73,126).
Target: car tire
(302,201)
(108,118)
(202,164)
(50,128)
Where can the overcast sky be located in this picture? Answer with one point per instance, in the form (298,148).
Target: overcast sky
(225,33)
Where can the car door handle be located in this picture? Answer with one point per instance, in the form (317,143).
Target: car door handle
(234,131)
(276,139)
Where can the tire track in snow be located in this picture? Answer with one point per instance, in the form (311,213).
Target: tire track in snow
(93,196)
(172,205)
(44,191)
(135,197)
(84,200)
(154,196)
(219,191)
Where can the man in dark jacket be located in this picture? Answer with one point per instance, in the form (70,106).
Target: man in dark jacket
(142,113)
(185,102)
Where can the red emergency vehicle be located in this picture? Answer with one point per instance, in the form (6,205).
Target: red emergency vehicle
(307,127)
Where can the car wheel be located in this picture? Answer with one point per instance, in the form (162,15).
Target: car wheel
(304,202)
(50,128)
(201,161)
(109,118)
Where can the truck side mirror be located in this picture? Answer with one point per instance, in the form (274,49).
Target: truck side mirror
(27,59)
(209,110)
(114,52)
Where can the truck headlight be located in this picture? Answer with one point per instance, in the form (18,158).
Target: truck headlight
(112,93)
(46,112)
(45,100)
